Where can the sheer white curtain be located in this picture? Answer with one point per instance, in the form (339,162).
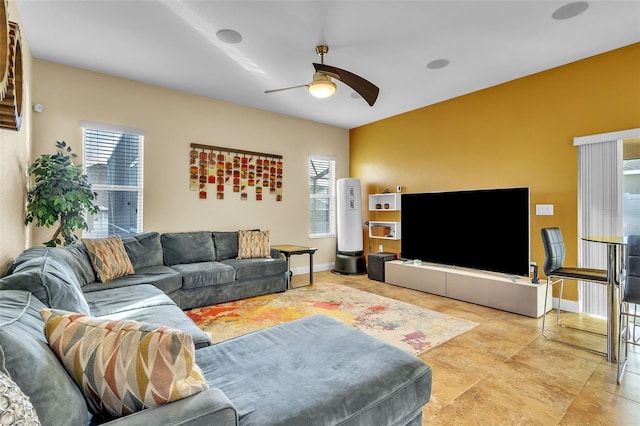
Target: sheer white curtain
(599,213)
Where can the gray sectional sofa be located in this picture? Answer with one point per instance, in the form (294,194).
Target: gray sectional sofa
(311,371)
(193,268)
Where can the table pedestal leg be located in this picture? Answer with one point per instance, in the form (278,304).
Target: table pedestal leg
(614,272)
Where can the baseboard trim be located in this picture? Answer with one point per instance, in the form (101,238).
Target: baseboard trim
(299,270)
(567,305)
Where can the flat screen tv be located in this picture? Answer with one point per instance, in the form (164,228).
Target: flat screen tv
(486,229)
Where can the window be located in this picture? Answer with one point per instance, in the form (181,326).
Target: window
(322,196)
(112,160)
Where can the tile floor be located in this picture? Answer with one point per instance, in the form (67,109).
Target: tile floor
(503,372)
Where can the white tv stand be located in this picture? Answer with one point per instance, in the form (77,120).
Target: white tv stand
(500,291)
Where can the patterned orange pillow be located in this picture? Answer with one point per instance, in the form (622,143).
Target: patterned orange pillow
(108,257)
(123,366)
(252,244)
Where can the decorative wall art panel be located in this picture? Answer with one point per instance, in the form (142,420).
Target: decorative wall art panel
(204,174)
(11,82)
(193,170)
(241,171)
(4,49)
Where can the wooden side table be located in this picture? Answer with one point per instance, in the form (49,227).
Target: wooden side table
(289,250)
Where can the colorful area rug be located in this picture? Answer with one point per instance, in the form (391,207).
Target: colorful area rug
(406,326)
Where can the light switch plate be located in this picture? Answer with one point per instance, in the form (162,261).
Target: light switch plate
(544,209)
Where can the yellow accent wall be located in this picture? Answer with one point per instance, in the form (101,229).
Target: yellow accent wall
(519,133)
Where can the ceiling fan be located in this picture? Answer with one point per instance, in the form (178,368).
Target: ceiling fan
(322,87)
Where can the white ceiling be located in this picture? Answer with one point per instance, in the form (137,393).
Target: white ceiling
(173,43)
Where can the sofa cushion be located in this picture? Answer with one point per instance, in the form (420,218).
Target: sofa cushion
(226,245)
(108,257)
(124,366)
(15,405)
(187,247)
(145,303)
(28,360)
(205,274)
(144,249)
(251,268)
(253,244)
(50,280)
(225,292)
(377,383)
(170,316)
(163,277)
(114,300)
(77,258)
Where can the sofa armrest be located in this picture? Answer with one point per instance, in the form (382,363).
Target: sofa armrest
(210,407)
(275,253)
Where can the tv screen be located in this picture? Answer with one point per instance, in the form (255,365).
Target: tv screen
(485,229)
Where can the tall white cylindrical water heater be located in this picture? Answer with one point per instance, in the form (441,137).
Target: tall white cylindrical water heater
(350,255)
(349,215)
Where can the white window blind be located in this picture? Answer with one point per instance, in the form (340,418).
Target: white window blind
(599,213)
(322,198)
(112,160)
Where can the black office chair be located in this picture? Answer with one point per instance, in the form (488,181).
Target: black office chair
(556,273)
(630,298)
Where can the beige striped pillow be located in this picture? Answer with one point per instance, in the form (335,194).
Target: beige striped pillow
(108,257)
(253,244)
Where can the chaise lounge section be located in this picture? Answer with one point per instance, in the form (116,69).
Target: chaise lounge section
(317,371)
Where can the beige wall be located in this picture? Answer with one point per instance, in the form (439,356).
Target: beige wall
(519,133)
(14,158)
(172,121)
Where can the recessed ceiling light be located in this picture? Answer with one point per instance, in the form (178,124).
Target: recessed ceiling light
(229,36)
(570,10)
(436,64)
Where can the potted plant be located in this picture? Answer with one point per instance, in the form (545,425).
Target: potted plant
(60,194)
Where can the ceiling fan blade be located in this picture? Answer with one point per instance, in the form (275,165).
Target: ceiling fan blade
(365,88)
(285,88)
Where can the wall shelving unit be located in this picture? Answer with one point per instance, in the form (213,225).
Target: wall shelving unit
(384,229)
(392,200)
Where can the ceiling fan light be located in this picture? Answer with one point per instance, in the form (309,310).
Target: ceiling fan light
(322,89)
(322,86)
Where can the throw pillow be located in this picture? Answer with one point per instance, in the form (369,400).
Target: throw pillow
(144,249)
(123,366)
(108,258)
(15,407)
(252,244)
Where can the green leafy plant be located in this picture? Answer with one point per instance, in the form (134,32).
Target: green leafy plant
(61,194)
